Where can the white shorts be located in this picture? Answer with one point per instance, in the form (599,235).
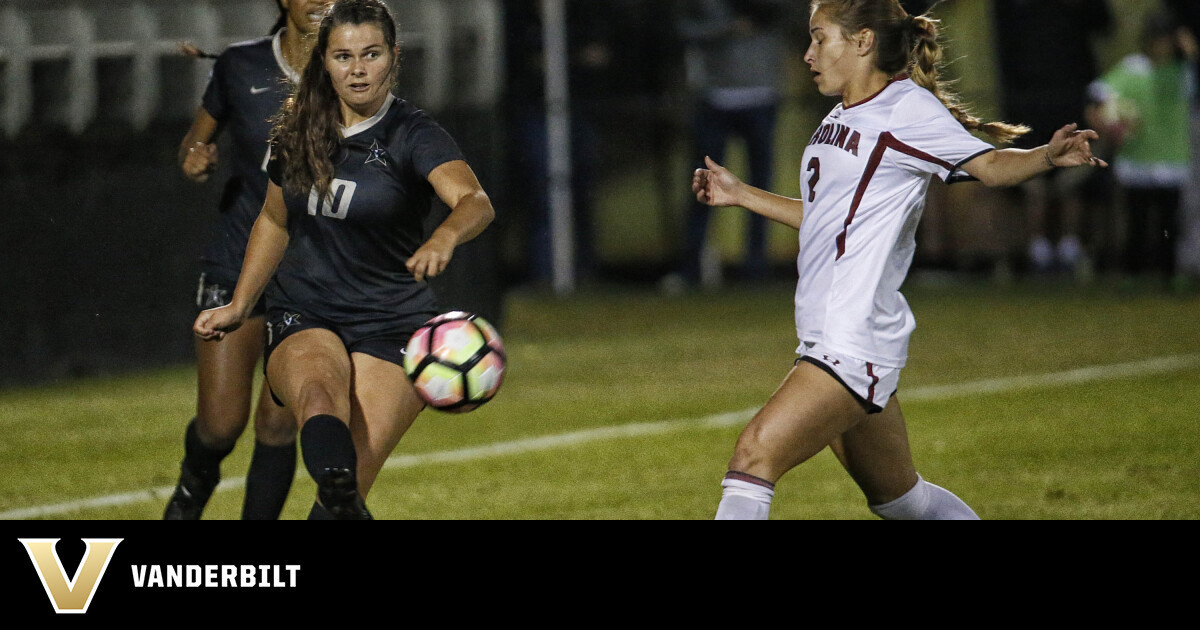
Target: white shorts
(870,384)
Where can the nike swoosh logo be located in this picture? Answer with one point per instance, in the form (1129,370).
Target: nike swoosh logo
(254,90)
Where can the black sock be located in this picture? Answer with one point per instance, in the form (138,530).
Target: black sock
(319,513)
(325,443)
(202,460)
(272,469)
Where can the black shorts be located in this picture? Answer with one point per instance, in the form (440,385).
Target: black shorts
(215,289)
(382,339)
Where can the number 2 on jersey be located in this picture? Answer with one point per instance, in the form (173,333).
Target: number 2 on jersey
(814,165)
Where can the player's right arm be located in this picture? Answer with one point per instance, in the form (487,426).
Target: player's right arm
(197,152)
(268,241)
(717,186)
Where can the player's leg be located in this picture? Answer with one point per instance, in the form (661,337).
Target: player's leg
(808,410)
(310,372)
(384,406)
(877,455)
(225,382)
(273,465)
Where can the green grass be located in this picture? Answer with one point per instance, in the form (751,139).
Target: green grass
(1114,449)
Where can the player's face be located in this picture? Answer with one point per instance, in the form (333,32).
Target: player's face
(830,56)
(359,63)
(305,15)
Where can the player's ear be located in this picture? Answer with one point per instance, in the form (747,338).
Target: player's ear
(866,42)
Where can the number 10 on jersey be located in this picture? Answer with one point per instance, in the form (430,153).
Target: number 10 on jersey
(337,203)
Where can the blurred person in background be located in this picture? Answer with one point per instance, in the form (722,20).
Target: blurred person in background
(1188,255)
(591,72)
(736,73)
(248,84)
(341,242)
(1045,61)
(865,177)
(1143,105)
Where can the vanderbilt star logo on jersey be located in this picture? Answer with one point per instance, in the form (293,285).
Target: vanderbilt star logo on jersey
(377,154)
(289,320)
(215,296)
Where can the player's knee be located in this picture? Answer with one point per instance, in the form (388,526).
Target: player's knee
(753,455)
(219,431)
(274,425)
(315,398)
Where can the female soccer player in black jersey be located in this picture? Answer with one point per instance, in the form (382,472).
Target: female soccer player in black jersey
(353,174)
(249,83)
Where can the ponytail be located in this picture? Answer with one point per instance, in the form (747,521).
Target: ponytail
(925,65)
(909,44)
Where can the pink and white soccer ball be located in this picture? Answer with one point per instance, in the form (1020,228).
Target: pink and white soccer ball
(455,361)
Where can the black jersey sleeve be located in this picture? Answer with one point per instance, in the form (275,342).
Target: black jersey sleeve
(430,146)
(275,165)
(215,100)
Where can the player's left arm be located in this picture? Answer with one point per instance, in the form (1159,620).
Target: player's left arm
(1069,147)
(470,212)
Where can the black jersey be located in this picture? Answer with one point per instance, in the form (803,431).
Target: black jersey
(248,85)
(346,255)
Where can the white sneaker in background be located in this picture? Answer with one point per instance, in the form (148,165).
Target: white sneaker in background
(1041,253)
(1070,251)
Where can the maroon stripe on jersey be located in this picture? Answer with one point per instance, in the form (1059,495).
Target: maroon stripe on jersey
(886,141)
(874,381)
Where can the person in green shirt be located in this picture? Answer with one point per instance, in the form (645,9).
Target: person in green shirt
(1142,105)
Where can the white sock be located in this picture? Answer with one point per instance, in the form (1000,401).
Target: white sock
(925,502)
(744,501)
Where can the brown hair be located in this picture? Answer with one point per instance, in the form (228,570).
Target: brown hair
(306,131)
(909,44)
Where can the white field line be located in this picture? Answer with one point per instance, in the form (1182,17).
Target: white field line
(1161,365)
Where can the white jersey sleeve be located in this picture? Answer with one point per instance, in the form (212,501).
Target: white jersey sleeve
(931,140)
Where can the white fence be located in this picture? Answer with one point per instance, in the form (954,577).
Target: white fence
(69,61)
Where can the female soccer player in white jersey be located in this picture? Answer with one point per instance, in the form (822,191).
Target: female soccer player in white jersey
(864,179)
(341,242)
(249,82)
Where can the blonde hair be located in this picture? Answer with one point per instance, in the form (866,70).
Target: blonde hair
(909,44)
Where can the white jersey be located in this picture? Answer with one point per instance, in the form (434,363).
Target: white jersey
(864,178)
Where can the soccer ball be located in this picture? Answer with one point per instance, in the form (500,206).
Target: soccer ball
(455,361)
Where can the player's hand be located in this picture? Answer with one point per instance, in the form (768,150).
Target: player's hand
(215,323)
(431,258)
(715,186)
(200,161)
(1071,146)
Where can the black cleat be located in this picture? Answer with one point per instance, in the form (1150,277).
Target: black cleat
(190,497)
(338,491)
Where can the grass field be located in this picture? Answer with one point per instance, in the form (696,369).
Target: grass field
(626,405)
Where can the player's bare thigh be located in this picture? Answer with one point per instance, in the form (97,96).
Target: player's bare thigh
(384,406)
(310,372)
(225,382)
(808,411)
(877,454)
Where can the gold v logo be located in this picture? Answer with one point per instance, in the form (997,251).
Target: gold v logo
(73,595)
